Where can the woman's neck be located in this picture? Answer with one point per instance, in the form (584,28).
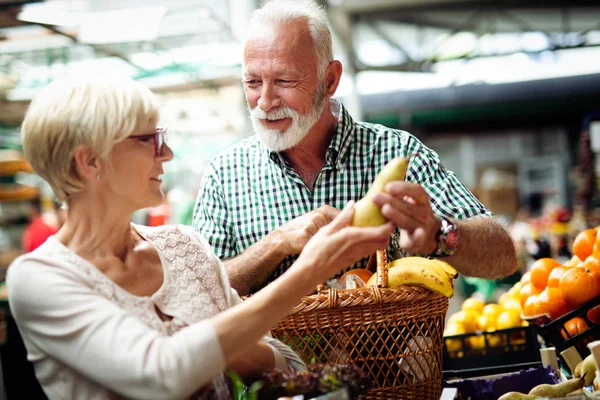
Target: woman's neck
(95,230)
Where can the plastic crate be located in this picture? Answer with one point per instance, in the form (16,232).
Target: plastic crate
(488,353)
(554,333)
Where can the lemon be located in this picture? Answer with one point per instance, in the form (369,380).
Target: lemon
(455,318)
(469,320)
(473,304)
(487,322)
(476,342)
(492,310)
(514,291)
(495,340)
(508,319)
(503,297)
(512,305)
(454,345)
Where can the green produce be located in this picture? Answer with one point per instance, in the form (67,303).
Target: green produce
(366,212)
(559,389)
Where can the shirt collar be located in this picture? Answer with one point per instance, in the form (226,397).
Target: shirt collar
(337,153)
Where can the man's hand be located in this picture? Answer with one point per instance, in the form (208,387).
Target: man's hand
(294,234)
(407,206)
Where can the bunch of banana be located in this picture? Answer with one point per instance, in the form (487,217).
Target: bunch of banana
(435,275)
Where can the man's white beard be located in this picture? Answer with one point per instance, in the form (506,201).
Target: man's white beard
(277,140)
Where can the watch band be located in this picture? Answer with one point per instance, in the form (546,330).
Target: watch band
(447,239)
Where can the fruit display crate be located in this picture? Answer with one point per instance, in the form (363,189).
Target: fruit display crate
(487,353)
(556,333)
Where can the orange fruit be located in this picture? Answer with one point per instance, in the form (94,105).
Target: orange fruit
(527,291)
(593,315)
(579,285)
(573,327)
(530,308)
(552,302)
(573,262)
(593,262)
(556,274)
(540,270)
(584,243)
(597,237)
(362,273)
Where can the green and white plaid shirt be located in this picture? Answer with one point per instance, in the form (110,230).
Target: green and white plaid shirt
(249,190)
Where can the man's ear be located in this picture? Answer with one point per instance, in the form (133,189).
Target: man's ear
(333,76)
(87,163)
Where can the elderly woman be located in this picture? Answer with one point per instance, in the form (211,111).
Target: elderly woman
(109,309)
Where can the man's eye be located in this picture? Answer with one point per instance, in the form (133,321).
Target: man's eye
(252,82)
(284,81)
(144,139)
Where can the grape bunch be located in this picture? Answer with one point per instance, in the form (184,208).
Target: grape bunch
(318,379)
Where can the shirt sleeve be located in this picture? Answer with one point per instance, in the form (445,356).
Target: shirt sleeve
(211,216)
(449,197)
(64,318)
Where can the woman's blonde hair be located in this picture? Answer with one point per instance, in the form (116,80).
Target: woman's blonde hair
(70,113)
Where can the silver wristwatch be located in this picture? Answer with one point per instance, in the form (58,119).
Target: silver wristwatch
(446,238)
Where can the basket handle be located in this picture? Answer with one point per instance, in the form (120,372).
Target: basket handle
(378,261)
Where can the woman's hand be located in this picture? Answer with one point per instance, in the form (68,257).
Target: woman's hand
(338,245)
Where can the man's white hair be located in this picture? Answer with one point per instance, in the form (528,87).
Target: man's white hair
(280,12)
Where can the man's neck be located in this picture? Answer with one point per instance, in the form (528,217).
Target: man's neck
(308,157)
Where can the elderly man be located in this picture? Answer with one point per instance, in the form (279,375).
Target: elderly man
(262,200)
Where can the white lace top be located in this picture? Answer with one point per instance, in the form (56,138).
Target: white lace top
(90,339)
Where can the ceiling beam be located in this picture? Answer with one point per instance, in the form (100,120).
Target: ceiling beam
(103,49)
(384,11)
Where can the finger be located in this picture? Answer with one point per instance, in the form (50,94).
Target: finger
(401,219)
(328,212)
(399,189)
(418,212)
(413,242)
(343,218)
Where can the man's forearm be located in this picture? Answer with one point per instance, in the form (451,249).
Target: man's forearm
(250,270)
(486,250)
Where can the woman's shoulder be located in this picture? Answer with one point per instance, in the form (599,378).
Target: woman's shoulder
(33,273)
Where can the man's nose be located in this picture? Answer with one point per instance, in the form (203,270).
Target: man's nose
(268,98)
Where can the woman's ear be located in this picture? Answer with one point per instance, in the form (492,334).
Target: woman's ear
(87,163)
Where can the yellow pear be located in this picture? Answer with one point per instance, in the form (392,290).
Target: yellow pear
(557,390)
(518,396)
(366,212)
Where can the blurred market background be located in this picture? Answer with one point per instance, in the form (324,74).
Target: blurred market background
(507,92)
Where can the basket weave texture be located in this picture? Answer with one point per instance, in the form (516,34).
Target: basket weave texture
(393,334)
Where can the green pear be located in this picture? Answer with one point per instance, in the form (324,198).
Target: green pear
(366,212)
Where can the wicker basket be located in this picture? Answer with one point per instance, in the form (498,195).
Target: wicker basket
(393,334)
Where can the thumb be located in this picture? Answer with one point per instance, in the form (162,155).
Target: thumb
(344,217)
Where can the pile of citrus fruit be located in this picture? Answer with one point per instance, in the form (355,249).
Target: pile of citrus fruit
(476,316)
(553,289)
(547,288)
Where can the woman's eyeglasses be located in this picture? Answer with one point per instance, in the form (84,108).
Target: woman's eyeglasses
(159,138)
